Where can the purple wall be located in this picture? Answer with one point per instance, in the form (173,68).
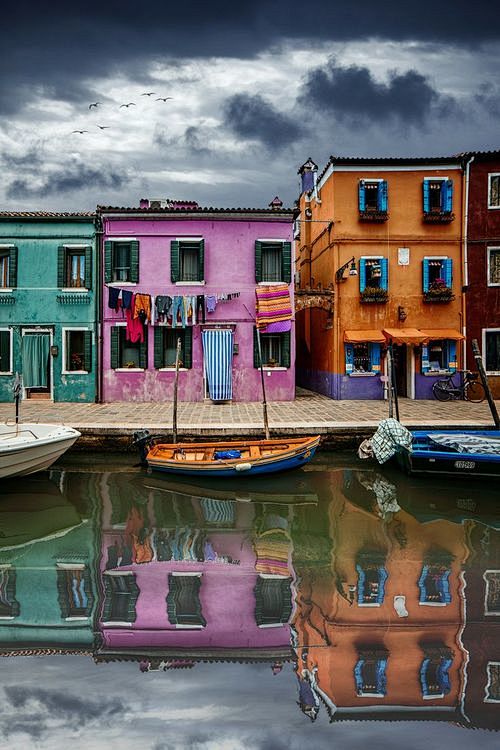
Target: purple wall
(341,386)
(229,267)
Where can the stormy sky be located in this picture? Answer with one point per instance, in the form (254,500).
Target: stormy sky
(256,87)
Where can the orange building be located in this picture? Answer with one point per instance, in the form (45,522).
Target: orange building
(380,242)
(380,631)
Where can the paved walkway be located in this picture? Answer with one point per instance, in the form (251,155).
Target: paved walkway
(309,413)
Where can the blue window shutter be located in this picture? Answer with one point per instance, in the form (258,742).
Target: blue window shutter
(421,583)
(361,194)
(384,273)
(427,198)
(375,357)
(444,587)
(447,271)
(425,358)
(382,196)
(361,583)
(358,676)
(425,267)
(362,274)
(380,677)
(423,675)
(452,356)
(349,358)
(382,578)
(447,196)
(443,676)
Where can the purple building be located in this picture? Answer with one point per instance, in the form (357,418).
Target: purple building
(199,268)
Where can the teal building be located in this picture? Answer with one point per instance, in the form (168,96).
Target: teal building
(48,305)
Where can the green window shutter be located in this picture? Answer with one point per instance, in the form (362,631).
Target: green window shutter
(108,262)
(134,595)
(183,600)
(115,347)
(256,361)
(174,261)
(143,352)
(13,267)
(258,262)
(88,267)
(61,266)
(286,263)
(134,261)
(188,348)
(158,347)
(87,350)
(285,349)
(272,596)
(201,261)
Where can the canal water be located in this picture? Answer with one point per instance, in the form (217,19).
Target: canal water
(337,606)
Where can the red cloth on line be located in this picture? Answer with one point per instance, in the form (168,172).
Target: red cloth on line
(135,329)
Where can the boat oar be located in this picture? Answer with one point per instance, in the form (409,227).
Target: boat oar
(484,380)
(264,402)
(174,418)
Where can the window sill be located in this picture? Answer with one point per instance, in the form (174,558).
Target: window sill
(172,369)
(432,697)
(434,373)
(7,617)
(272,625)
(121,284)
(116,624)
(369,604)
(371,695)
(77,618)
(6,290)
(271,283)
(6,373)
(274,369)
(189,627)
(433,604)
(490,283)
(130,369)
(488,372)
(362,374)
(72,290)
(493,208)
(190,283)
(74,372)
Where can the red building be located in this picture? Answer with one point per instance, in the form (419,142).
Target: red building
(482,261)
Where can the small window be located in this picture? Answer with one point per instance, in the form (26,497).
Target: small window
(78,351)
(183,601)
(273,262)
(275,349)
(9,607)
(74,267)
(187,261)
(492,597)
(434,584)
(362,358)
(494,191)
(492,340)
(166,347)
(435,195)
(437,277)
(439,355)
(273,601)
(4,268)
(120,597)
(370,675)
(373,274)
(127,354)
(372,198)
(434,677)
(492,693)
(121,261)
(494,266)
(438,197)
(75,595)
(371,583)
(5,351)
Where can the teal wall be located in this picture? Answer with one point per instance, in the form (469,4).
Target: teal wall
(36,297)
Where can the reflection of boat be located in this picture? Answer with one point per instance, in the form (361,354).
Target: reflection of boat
(27,448)
(33,511)
(231,458)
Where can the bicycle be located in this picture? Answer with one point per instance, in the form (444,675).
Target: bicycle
(469,389)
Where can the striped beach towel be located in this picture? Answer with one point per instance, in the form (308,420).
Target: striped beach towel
(273,308)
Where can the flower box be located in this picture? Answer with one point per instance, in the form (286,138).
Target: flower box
(438,217)
(439,294)
(374,294)
(373,215)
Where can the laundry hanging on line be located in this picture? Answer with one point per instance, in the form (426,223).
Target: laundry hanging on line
(273,308)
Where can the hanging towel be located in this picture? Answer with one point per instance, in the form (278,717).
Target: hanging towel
(273,306)
(142,307)
(113,297)
(135,329)
(35,359)
(218,360)
(126,299)
(211,302)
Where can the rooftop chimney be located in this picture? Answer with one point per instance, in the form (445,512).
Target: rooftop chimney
(276,204)
(308,175)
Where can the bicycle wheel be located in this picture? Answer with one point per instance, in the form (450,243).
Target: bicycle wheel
(441,391)
(474,392)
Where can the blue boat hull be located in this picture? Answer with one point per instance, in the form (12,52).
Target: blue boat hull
(426,458)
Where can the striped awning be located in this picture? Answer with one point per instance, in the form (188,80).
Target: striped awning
(358,337)
(218,362)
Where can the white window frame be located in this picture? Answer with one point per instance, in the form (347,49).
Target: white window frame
(72,289)
(275,240)
(6,566)
(64,371)
(7,248)
(490,175)
(50,331)
(488,250)
(73,566)
(121,284)
(125,369)
(488,673)
(484,332)
(486,580)
(11,358)
(189,239)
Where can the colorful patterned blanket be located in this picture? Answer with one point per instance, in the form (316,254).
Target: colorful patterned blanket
(274,308)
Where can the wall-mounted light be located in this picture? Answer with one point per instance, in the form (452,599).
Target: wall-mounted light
(353,271)
(54,350)
(402,314)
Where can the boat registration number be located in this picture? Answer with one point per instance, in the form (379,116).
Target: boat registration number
(465,464)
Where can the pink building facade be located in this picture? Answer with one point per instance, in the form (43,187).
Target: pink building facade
(172,249)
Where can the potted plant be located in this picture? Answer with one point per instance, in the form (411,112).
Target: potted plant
(439,292)
(374,294)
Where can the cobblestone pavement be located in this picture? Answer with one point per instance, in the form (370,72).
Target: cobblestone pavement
(310,412)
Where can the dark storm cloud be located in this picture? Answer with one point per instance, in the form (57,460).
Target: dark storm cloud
(66,180)
(57,47)
(254,118)
(58,704)
(488,98)
(353,93)
(30,158)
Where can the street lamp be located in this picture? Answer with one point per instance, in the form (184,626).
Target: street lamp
(353,271)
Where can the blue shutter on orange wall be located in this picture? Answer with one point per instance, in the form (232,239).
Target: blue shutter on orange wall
(425,358)
(447,271)
(384,273)
(375,357)
(427,197)
(362,274)
(361,194)
(452,356)
(382,196)
(425,272)
(349,358)
(447,196)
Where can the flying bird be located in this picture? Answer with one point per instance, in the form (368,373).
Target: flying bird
(130,104)
(164,98)
(149,93)
(80,131)
(94,104)
(103,127)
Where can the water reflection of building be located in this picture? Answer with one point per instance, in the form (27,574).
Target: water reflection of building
(379,634)
(185,577)
(47,564)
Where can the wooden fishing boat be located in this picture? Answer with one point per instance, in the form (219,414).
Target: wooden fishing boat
(226,459)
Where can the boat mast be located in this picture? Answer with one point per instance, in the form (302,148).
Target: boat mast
(264,402)
(174,418)
(484,380)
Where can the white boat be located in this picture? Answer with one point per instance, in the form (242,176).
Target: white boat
(27,448)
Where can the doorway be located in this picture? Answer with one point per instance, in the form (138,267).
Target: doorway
(400,352)
(36,364)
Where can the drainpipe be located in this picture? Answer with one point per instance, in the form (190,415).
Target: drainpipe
(466,261)
(99,305)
